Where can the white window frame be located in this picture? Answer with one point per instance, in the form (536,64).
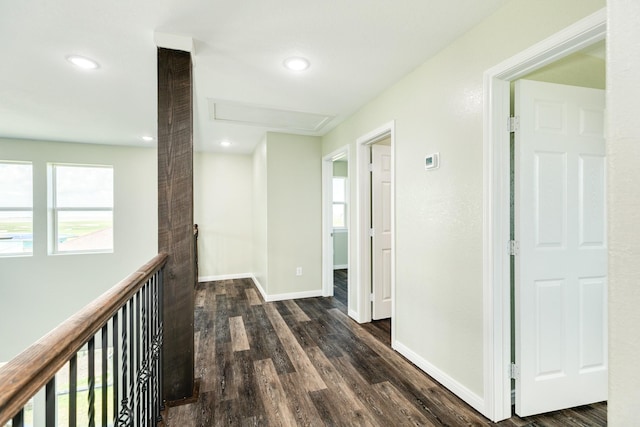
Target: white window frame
(20,209)
(345,205)
(54,210)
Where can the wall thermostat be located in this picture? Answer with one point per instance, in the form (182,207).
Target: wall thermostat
(432,161)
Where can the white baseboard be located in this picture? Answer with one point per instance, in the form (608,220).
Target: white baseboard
(293,295)
(265,296)
(224,277)
(454,386)
(259,286)
(341,267)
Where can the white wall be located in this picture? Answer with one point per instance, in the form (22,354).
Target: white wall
(223,197)
(40,291)
(259,210)
(294,213)
(623,152)
(438,108)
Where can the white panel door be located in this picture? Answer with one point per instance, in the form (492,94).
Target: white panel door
(561,267)
(381,221)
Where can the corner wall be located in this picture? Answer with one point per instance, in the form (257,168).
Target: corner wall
(38,292)
(623,154)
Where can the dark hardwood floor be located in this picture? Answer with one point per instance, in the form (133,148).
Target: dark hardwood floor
(305,362)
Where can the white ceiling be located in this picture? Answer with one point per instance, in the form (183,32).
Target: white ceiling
(357,48)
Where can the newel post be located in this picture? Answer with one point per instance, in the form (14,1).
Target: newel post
(175,220)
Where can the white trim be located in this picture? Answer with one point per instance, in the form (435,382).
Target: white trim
(281,297)
(293,295)
(259,286)
(496,216)
(353,314)
(341,266)
(443,378)
(363,208)
(327,215)
(224,277)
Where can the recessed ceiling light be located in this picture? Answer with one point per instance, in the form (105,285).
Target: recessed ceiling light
(225,143)
(82,62)
(147,138)
(296,64)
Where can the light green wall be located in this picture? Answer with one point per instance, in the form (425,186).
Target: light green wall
(340,248)
(623,198)
(259,207)
(576,70)
(294,213)
(40,291)
(340,168)
(223,186)
(438,108)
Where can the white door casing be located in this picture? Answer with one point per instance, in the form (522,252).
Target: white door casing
(381,225)
(561,265)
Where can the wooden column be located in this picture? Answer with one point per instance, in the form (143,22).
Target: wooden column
(175,220)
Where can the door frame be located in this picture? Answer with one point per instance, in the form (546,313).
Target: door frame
(496,203)
(362,312)
(327,217)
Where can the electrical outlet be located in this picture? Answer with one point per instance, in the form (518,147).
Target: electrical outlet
(298,271)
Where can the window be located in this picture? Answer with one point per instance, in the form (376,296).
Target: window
(339,202)
(82,208)
(16,208)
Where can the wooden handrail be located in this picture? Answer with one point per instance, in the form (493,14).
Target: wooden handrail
(23,376)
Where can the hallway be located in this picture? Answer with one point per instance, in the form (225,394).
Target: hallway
(305,362)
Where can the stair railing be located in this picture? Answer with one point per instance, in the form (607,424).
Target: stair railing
(107,358)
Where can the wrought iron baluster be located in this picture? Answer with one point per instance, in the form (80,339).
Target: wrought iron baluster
(123,417)
(18,419)
(91,398)
(50,403)
(132,366)
(105,385)
(138,366)
(73,390)
(114,337)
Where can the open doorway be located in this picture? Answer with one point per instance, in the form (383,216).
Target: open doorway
(498,224)
(336,221)
(340,229)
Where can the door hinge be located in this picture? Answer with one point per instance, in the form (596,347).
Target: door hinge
(371,297)
(370,167)
(514,371)
(514,247)
(513,124)
(371,232)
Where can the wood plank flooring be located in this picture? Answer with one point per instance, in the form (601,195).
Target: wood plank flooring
(306,363)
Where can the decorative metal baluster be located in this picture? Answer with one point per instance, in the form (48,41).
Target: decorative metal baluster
(132,366)
(91,398)
(138,366)
(145,349)
(114,337)
(124,419)
(105,385)
(160,342)
(50,403)
(18,419)
(73,390)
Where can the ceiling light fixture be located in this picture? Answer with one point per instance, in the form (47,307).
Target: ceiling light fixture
(225,143)
(296,63)
(82,62)
(147,138)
